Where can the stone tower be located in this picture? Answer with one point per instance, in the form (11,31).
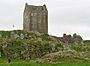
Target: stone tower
(35,18)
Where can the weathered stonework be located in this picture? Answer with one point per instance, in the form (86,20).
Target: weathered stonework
(35,18)
(68,39)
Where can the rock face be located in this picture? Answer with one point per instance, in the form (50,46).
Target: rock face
(68,39)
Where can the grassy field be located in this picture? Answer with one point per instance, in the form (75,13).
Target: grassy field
(18,62)
(30,64)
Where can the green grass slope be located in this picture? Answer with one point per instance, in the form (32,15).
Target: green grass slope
(39,49)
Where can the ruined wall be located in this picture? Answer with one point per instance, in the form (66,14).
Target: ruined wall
(68,39)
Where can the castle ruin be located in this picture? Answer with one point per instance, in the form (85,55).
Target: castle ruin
(35,18)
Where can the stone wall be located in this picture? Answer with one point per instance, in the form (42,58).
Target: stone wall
(35,18)
(68,39)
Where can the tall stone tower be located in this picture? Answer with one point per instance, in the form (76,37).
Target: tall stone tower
(35,18)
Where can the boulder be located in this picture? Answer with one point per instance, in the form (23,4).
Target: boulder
(13,35)
(21,36)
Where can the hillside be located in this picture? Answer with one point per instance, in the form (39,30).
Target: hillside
(42,48)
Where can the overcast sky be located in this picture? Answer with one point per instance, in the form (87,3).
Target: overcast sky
(65,16)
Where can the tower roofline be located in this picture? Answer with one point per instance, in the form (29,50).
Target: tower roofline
(35,7)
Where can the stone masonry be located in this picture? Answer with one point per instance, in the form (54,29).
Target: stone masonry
(35,18)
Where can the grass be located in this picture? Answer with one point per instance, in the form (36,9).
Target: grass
(22,62)
(30,64)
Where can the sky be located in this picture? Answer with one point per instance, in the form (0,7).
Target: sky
(64,16)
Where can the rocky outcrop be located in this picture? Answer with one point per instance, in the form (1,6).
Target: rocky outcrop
(62,56)
(77,39)
(28,45)
(33,45)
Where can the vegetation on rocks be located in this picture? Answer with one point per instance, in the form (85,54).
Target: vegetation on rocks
(43,48)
